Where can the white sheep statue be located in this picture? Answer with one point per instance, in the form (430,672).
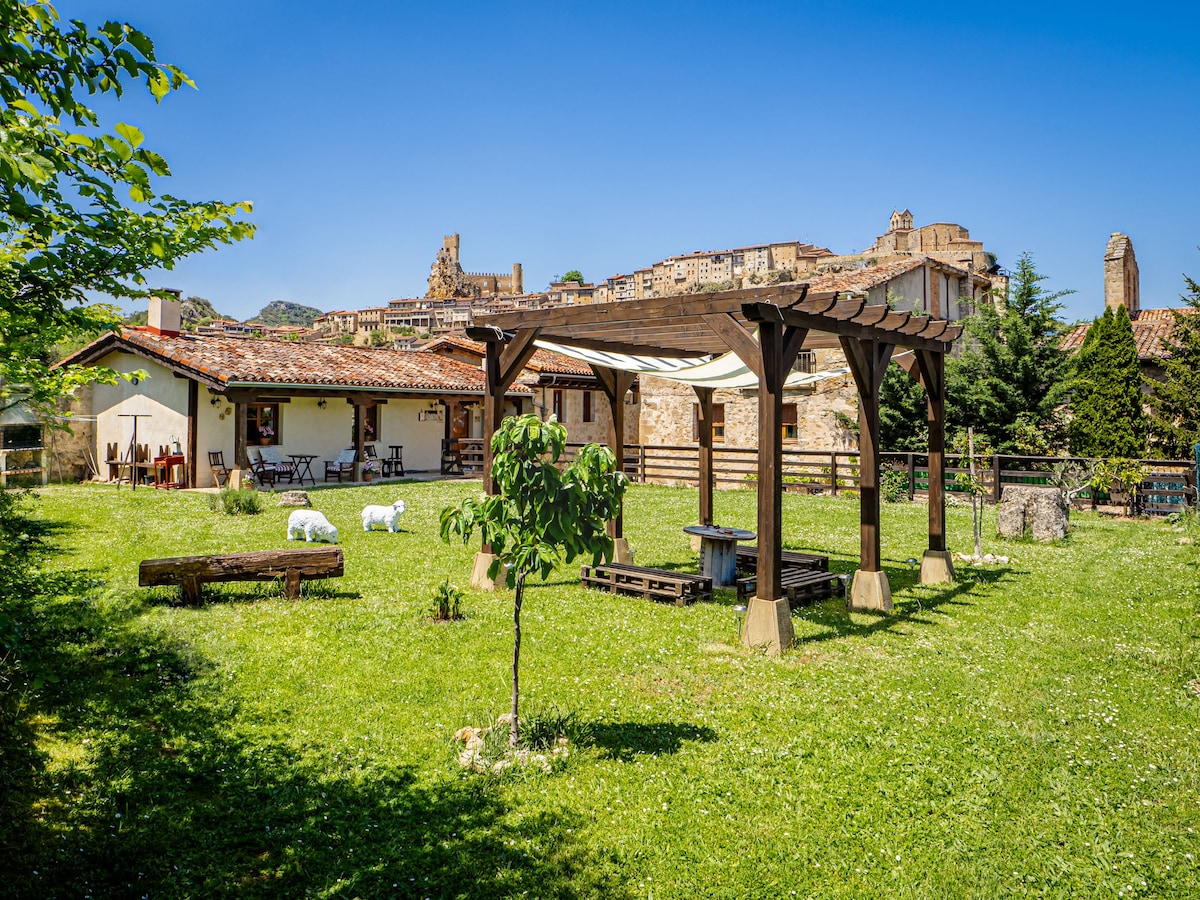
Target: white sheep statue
(386,516)
(313,525)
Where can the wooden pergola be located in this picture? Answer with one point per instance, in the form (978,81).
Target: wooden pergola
(787,319)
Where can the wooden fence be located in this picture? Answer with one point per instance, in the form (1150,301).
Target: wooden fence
(1166,486)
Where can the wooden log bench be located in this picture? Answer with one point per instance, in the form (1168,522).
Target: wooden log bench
(747,560)
(653,584)
(189,572)
(800,586)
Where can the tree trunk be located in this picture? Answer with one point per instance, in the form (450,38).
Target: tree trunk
(513,727)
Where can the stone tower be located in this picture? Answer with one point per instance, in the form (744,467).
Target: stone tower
(518,279)
(1121,283)
(450,243)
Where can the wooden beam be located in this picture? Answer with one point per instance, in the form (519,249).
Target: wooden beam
(734,335)
(770,458)
(615,383)
(868,361)
(704,423)
(652,308)
(193,416)
(932,368)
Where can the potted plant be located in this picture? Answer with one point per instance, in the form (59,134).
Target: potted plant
(265,433)
(368,470)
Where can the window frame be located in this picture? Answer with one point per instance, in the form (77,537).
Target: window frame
(255,419)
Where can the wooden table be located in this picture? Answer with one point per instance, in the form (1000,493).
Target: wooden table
(718,551)
(302,467)
(170,471)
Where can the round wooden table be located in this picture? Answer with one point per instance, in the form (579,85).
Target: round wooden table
(718,551)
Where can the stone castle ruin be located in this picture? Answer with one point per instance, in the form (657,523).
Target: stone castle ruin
(448,281)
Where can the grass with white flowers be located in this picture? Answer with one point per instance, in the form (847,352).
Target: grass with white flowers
(1031,730)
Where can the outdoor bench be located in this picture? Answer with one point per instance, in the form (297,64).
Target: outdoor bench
(800,586)
(261,565)
(747,560)
(653,584)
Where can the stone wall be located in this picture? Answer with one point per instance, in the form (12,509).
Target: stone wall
(668,410)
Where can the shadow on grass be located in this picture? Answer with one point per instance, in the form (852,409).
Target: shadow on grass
(625,740)
(160,790)
(837,619)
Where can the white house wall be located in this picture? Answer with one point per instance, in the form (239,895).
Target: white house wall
(160,396)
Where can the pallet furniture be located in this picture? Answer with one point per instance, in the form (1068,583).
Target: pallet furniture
(718,547)
(189,572)
(747,560)
(653,584)
(800,586)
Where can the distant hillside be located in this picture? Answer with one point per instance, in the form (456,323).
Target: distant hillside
(191,311)
(280,312)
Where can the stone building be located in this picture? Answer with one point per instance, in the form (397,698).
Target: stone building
(819,415)
(448,280)
(1122,287)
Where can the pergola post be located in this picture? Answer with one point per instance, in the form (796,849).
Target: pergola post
(615,384)
(768,614)
(504,357)
(868,360)
(936,565)
(704,440)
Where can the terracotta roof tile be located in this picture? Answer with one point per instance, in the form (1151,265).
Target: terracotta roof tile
(862,280)
(1150,328)
(247,361)
(542,361)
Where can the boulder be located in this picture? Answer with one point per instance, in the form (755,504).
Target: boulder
(1041,511)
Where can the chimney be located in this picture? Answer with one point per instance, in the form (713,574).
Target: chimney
(164,315)
(1122,285)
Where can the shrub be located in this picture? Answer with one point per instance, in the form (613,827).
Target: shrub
(446,600)
(235,503)
(893,484)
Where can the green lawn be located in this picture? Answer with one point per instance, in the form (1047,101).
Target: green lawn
(1029,731)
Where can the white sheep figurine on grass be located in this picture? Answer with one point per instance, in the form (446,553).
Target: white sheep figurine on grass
(386,516)
(313,525)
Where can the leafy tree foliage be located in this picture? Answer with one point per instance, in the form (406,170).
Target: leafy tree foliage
(1106,408)
(903,418)
(79,208)
(542,516)
(573,275)
(1175,421)
(1012,376)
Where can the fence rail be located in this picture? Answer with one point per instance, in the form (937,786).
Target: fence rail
(1167,485)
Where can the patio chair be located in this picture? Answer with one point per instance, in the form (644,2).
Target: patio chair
(270,457)
(216,462)
(343,465)
(264,472)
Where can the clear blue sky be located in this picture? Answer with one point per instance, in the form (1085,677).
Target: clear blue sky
(604,137)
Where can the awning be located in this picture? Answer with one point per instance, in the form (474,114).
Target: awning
(726,371)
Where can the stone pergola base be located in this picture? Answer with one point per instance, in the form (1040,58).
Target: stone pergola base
(768,624)
(621,552)
(937,567)
(870,592)
(479,572)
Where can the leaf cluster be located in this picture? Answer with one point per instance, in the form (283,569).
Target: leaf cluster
(1175,420)
(1106,405)
(544,513)
(1012,374)
(80,211)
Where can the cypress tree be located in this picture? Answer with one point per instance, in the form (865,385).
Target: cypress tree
(1011,376)
(1107,419)
(1175,420)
